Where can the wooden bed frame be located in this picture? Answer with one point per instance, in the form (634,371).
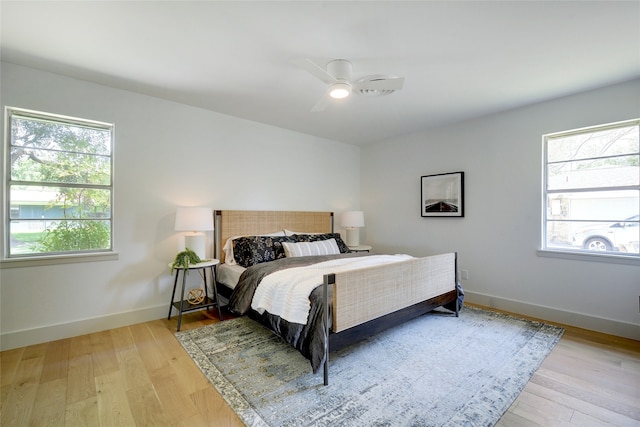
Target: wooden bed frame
(365,301)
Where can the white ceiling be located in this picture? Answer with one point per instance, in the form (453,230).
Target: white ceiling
(459,59)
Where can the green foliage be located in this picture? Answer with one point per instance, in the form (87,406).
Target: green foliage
(68,236)
(73,162)
(184,258)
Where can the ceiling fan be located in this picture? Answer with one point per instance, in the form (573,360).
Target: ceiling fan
(337,76)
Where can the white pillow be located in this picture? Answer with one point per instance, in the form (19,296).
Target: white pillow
(321,247)
(229,258)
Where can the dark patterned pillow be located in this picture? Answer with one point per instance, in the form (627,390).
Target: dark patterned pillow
(251,250)
(316,237)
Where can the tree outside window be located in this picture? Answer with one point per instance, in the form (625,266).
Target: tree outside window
(60,184)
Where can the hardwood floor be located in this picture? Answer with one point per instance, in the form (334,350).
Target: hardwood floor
(139,375)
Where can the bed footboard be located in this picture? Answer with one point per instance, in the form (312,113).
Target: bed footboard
(368,293)
(374,298)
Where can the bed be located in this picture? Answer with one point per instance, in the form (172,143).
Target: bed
(357,295)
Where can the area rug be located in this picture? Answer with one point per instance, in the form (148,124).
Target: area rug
(436,370)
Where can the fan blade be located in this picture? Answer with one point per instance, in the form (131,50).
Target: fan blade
(315,70)
(381,84)
(321,105)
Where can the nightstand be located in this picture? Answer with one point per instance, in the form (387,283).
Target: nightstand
(184,305)
(360,248)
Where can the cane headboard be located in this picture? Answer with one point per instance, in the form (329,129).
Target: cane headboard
(249,223)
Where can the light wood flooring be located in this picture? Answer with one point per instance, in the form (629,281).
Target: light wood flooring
(139,375)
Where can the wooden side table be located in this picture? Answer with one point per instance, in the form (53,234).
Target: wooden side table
(183,305)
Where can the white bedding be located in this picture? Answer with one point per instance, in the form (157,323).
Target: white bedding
(229,275)
(285,293)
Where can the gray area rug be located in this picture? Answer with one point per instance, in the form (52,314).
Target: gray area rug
(436,370)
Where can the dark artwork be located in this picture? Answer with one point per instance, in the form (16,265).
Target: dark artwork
(440,206)
(443,195)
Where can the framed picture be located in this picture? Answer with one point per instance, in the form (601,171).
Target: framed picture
(442,194)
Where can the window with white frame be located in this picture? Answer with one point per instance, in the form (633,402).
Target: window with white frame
(592,190)
(58,185)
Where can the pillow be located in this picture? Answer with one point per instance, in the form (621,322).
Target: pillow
(252,250)
(321,247)
(342,246)
(228,246)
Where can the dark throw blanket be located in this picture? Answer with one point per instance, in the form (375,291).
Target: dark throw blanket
(307,339)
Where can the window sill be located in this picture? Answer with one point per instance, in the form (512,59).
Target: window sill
(57,260)
(579,256)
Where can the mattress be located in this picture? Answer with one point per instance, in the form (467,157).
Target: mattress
(229,275)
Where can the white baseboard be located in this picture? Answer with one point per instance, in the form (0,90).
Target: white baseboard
(607,326)
(11,340)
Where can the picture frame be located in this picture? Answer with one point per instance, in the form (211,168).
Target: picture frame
(442,195)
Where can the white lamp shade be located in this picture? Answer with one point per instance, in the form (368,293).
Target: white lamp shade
(194,219)
(353,219)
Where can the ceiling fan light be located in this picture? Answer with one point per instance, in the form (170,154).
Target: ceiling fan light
(340,90)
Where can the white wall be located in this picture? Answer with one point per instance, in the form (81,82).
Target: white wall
(166,155)
(497,239)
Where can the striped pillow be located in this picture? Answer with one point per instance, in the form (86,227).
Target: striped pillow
(321,247)
(323,236)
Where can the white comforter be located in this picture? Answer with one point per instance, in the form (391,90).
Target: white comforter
(285,293)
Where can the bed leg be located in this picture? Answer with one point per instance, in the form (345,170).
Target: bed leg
(328,279)
(457,289)
(326,372)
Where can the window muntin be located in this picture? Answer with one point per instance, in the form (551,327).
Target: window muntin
(592,190)
(59,185)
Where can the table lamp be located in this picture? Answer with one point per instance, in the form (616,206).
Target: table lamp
(195,220)
(352,221)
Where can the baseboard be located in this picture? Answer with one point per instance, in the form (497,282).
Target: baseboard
(579,320)
(11,340)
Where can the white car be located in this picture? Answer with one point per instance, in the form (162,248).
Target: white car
(621,236)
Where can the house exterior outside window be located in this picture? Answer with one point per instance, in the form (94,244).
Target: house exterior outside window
(591,191)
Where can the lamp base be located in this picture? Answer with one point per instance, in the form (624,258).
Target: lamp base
(196,242)
(353,237)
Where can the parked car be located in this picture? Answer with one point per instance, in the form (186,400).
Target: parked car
(621,236)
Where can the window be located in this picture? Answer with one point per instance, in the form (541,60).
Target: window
(59,185)
(592,190)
